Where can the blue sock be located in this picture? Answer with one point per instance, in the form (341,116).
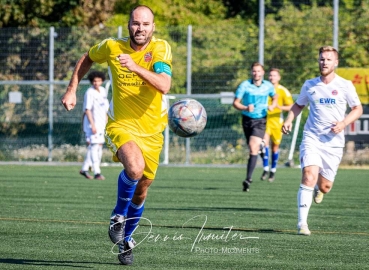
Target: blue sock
(266,157)
(133,217)
(275,157)
(126,189)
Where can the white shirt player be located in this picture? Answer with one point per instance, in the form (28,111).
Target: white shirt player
(98,104)
(328,104)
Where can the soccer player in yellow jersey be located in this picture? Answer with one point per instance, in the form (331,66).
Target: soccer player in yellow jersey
(140,69)
(274,125)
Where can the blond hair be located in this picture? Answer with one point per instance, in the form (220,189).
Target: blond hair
(328,49)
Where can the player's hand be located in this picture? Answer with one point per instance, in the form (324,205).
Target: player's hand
(271,108)
(69,100)
(250,107)
(126,60)
(338,127)
(287,128)
(93,129)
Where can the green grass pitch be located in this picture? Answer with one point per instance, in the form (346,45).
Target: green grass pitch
(195,218)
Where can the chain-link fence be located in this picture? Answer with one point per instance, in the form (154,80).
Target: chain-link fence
(37,62)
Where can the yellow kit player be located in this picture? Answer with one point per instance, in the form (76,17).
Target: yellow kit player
(140,69)
(274,125)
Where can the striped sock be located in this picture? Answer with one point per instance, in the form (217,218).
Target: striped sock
(126,189)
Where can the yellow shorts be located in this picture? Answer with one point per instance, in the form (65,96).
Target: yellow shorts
(151,146)
(275,132)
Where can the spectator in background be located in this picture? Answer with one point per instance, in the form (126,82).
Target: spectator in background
(252,100)
(274,125)
(95,106)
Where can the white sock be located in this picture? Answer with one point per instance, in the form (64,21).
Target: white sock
(100,153)
(304,200)
(266,168)
(87,162)
(95,158)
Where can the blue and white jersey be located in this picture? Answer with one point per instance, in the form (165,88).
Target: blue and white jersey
(328,104)
(249,93)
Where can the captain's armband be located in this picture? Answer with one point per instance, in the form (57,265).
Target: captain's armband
(160,67)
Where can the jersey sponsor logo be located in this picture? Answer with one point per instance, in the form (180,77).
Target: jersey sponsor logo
(127,74)
(334,92)
(148,57)
(327,101)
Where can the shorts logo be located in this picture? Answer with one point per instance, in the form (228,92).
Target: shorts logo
(334,92)
(148,57)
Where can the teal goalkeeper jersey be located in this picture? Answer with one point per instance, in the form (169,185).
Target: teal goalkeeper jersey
(249,93)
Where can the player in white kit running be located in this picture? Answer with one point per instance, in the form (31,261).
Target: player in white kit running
(323,140)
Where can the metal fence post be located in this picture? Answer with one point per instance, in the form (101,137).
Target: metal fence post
(261,31)
(189,84)
(51,92)
(335,23)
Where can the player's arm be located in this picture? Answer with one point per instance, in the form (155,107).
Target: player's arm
(91,120)
(274,104)
(354,114)
(83,65)
(285,107)
(160,81)
(239,106)
(293,113)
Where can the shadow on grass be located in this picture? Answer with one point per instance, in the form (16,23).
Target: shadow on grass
(51,263)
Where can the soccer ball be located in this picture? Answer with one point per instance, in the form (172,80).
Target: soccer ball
(187,117)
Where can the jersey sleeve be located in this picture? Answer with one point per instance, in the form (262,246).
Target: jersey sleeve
(351,95)
(100,52)
(287,97)
(303,98)
(240,91)
(88,100)
(162,53)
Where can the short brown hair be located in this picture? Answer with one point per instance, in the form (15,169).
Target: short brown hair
(257,64)
(275,69)
(328,49)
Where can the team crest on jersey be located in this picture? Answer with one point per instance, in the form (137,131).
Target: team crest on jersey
(334,92)
(148,57)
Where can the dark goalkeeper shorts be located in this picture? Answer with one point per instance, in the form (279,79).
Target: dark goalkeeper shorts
(253,127)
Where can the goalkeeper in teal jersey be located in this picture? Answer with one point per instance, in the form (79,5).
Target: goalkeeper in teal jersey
(252,100)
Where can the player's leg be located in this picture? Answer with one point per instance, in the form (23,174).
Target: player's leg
(125,149)
(257,127)
(87,162)
(331,160)
(95,160)
(151,148)
(96,147)
(311,164)
(275,157)
(251,164)
(305,197)
(276,138)
(266,155)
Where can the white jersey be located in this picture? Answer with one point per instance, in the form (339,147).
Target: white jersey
(98,104)
(328,104)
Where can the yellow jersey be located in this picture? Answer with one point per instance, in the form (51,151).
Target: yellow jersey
(275,117)
(135,105)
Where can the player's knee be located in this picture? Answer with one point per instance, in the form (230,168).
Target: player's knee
(325,188)
(134,172)
(309,179)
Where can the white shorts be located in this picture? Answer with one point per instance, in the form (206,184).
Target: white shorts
(327,158)
(99,137)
